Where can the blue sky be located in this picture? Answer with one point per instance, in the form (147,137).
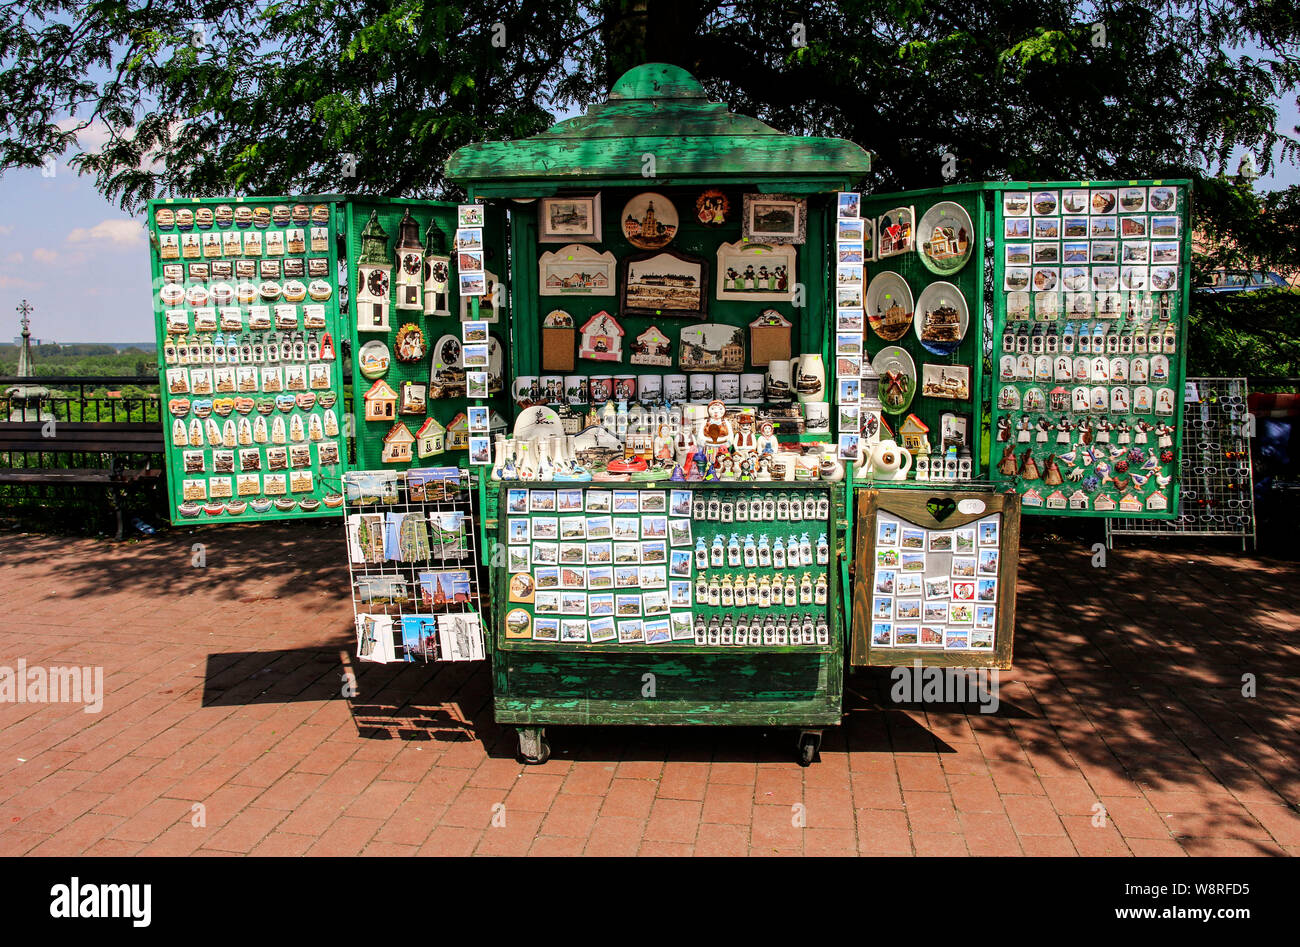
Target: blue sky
(83,263)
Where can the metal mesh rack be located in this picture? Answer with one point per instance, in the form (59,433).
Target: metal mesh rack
(413,565)
(1217,498)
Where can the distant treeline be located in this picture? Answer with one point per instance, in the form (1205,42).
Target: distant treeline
(82,359)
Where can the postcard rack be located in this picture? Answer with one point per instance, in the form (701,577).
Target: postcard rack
(1215,468)
(413,565)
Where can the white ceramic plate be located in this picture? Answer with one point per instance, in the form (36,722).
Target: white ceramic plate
(941,296)
(886,290)
(944,238)
(374,359)
(894,359)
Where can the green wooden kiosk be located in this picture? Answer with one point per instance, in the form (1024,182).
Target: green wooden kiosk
(659,133)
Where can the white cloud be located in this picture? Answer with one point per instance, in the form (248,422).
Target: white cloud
(6,229)
(14,282)
(122,234)
(14,259)
(91,138)
(42,255)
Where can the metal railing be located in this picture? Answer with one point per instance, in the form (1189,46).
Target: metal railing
(87,398)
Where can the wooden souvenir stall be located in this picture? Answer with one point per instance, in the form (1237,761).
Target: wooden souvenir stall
(665,251)
(246,304)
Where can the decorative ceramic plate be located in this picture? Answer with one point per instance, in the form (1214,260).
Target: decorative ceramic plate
(649,221)
(897,374)
(889,305)
(374,359)
(537,422)
(943,238)
(410,344)
(942,318)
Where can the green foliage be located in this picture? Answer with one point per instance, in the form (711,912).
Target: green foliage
(1255,334)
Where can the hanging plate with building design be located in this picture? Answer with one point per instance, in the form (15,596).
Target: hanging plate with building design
(889,305)
(649,221)
(943,238)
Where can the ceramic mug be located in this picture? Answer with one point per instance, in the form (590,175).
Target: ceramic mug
(624,387)
(575,389)
(701,387)
(651,388)
(600,388)
(552,387)
(727,388)
(675,388)
(751,388)
(817,417)
(525,388)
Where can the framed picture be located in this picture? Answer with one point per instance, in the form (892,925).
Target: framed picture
(756,271)
(664,283)
(569,219)
(575,270)
(775,218)
(945,381)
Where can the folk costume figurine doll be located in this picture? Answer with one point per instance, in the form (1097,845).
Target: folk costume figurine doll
(1063,428)
(1103,431)
(1141,428)
(1123,436)
(717,430)
(1052,473)
(1085,432)
(1164,435)
(743,440)
(1044,425)
(1028,466)
(1024,427)
(1004,429)
(1007,465)
(767,442)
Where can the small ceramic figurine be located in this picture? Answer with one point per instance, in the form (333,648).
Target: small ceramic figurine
(767,442)
(1063,428)
(1004,428)
(1024,427)
(742,439)
(717,429)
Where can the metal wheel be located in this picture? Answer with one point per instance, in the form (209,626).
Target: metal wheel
(533,748)
(809,744)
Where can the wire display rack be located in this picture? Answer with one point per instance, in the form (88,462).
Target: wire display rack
(1218,481)
(414,565)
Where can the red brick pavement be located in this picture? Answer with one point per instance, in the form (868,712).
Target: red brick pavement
(1123,728)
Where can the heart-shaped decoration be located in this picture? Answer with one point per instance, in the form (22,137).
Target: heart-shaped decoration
(941,508)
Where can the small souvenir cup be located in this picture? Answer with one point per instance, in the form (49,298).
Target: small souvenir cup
(817,417)
(727,388)
(676,389)
(624,387)
(525,389)
(552,387)
(575,389)
(751,388)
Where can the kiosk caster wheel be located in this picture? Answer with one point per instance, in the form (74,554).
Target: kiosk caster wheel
(810,742)
(533,748)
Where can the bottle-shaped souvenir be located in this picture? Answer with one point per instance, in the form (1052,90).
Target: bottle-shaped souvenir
(715,591)
(769,507)
(823,551)
(742,628)
(823,506)
(755,634)
(717,553)
(751,591)
(701,554)
(313,347)
(820,590)
(726,596)
(764,553)
(791,596)
(755,508)
(806,590)
(1170,339)
(205,351)
(778,554)
(810,507)
(751,553)
(701,588)
(764,593)
(783,507)
(733,551)
(769,632)
(698,508)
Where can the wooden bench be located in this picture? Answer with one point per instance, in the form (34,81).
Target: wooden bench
(121,442)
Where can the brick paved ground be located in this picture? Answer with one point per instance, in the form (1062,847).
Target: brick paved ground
(223,690)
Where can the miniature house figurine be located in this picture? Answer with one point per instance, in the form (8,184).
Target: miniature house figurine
(652,348)
(410,264)
(381,402)
(915,435)
(458,433)
(374,272)
(437,272)
(602,339)
(397,444)
(430,438)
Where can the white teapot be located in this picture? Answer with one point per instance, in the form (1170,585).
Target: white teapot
(884,460)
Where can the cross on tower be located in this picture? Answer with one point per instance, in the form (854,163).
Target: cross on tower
(25,309)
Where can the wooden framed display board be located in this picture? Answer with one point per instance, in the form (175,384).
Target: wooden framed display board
(582,624)
(1091,286)
(935,578)
(246,306)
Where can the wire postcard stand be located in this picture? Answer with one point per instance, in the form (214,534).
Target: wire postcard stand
(413,565)
(1217,498)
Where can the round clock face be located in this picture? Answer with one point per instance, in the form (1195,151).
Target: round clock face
(439,271)
(378,283)
(411,263)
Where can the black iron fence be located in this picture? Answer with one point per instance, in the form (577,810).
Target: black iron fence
(81,398)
